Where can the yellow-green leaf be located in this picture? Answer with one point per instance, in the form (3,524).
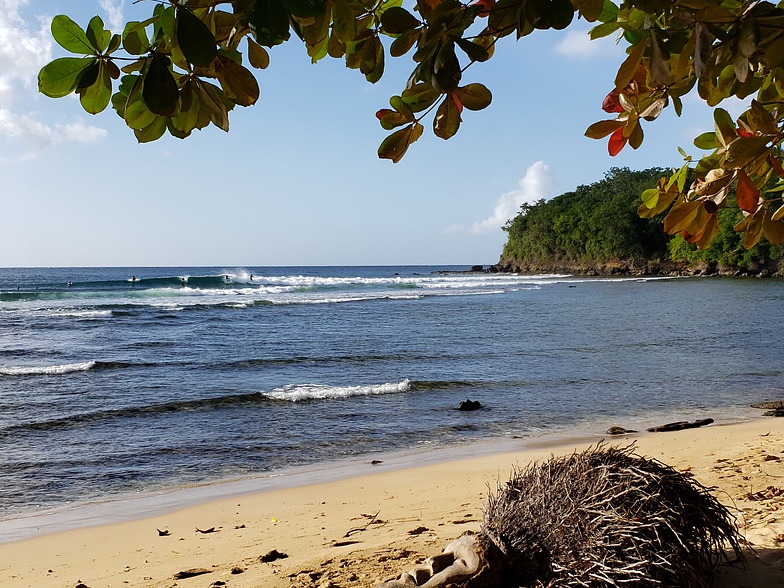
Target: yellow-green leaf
(394,147)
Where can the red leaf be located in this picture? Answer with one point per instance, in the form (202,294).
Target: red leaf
(488,6)
(381,113)
(612,103)
(616,142)
(744,133)
(776,165)
(746,193)
(459,104)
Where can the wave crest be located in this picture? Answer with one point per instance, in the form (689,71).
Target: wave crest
(300,392)
(47,370)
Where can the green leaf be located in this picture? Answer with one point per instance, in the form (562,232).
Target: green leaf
(305,8)
(397,20)
(603,30)
(475,52)
(404,42)
(744,150)
(98,37)
(188,117)
(114,44)
(135,39)
(60,77)
(257,55)
(137,115)
(682,216)
(71,37)
(474,96)
(419,97)
(394,147)
(195,38)
(152,132)
(95,98)
(344,21)
(447,120)
(706,141)
(609,12)
(391,119)
(725,126)
(601,129)
(446,69)
(631,63)
(590,9)
(561,13)
(160,91)
(214,105)
(269,22)
(239,84)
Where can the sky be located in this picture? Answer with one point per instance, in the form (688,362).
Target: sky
(297,180)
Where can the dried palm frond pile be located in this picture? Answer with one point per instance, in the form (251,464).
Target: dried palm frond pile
(604,517)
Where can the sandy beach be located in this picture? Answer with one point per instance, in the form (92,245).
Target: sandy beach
(368,528)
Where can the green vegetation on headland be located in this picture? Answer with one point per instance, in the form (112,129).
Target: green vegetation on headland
(596,230)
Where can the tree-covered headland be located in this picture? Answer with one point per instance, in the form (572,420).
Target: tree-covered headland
(597,229)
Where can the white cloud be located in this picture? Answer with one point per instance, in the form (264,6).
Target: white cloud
(43,135)
(537,184)
(579,44)
(25,46)
(114,13)
(23,50)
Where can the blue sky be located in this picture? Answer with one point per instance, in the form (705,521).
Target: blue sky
(297,180)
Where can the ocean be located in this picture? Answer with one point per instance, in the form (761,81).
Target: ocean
(117,381)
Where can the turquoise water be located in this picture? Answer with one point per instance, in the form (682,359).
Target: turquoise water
(136,379)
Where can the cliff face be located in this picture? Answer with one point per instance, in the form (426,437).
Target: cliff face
(762,269)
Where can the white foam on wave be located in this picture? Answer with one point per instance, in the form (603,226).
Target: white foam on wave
(75,313)
(47,370)
(299,392)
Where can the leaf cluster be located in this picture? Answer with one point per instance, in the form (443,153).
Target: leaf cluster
(724,48)
(186,67)
(186,63)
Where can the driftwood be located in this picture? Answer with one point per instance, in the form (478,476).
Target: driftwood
(604,517)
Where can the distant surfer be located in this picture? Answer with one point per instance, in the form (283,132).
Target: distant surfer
(69,284)
(251,277)
(134,279)
(227,279)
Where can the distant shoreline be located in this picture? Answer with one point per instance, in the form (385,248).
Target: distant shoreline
(767,269)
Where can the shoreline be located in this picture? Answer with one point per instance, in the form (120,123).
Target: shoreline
(132,506)
(360,530)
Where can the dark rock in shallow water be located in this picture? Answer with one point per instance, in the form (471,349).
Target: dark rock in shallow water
(619,431)
(680,425)
(776,412)
(469,404)
(771,405)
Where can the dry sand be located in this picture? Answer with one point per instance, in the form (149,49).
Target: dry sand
(357,532)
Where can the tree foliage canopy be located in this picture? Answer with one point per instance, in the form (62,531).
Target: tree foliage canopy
(185,67)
